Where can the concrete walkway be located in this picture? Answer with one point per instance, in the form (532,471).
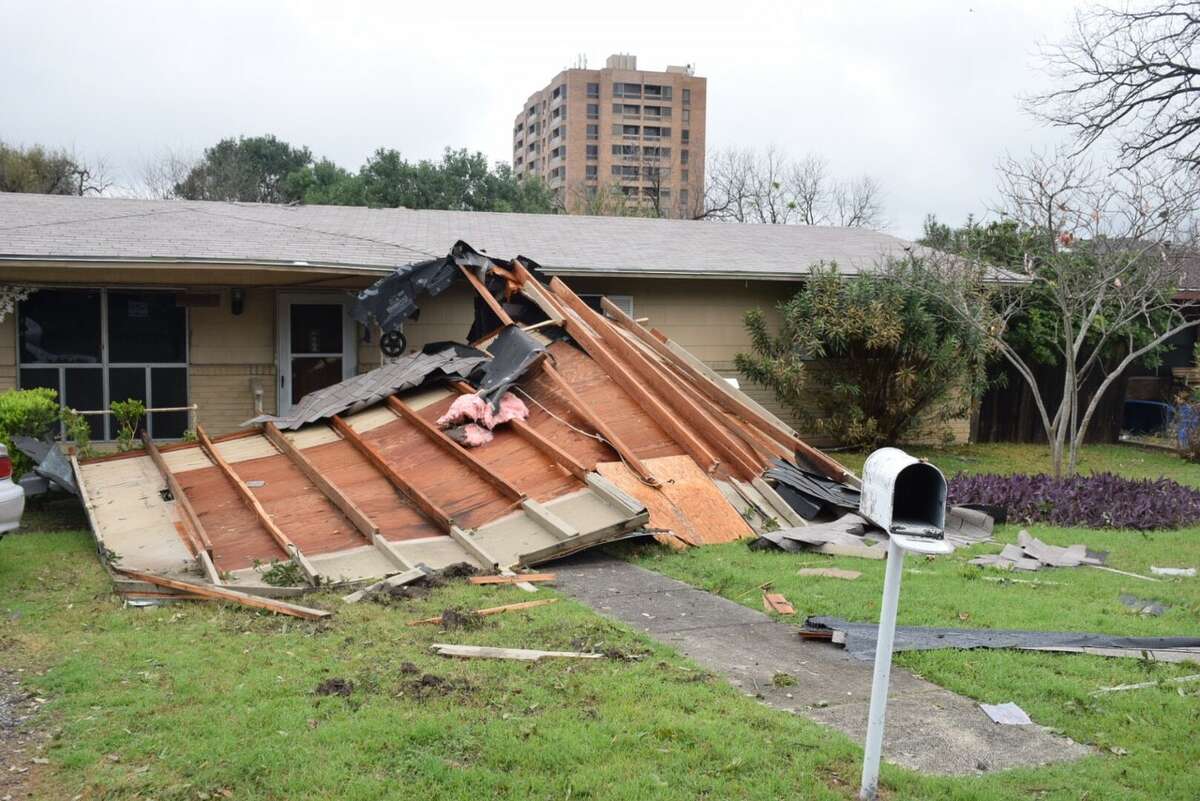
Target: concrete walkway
(928,728)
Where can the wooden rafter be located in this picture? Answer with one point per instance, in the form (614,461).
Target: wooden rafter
(464,456)
(252,503)
(432,512)
(487,296)
(190,589)
(534,438)
(624,378)
(189,520)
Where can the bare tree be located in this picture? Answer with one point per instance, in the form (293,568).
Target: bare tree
(766,187)
(1128,72)
(1102,251)
(160,176)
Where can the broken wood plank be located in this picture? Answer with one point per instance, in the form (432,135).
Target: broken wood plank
(226,594)
(491,610)
(487,296)
(463,455)
(418,499)
(1141,685)
(775,602)
(398,580)
(1123,573)
(625,379)
(838,549)
(522,654)
(191,519)
(252,502)
(829,572)
(512,579)
(349,508)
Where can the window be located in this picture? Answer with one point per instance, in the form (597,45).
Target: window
(683,198)
(630,131)
(622,302)
(687,115)
(555,114)
(683,175)
(687,97)
(653,91)
(652,132)
(593,132)
(685,135)
(590,172)
(593,90)
(593,152)
(593,111)
(95,346)
(683,157)
(627,90)
(627,151)
(666,93)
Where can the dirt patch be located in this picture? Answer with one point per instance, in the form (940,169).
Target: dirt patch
(415,590)
(20,740)
(459,570)
(409,668)
(429,685)
(335,686)
(455,618)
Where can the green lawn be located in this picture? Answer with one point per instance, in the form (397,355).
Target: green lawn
(205,701)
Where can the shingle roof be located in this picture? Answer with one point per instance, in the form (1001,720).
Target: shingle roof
(73,228)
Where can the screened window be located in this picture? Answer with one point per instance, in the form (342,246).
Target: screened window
(96,346)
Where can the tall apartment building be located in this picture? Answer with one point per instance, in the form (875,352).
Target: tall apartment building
(619,130)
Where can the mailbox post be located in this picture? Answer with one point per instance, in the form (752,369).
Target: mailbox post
(906,498)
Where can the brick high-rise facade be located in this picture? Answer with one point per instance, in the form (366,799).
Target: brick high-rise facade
(617,130)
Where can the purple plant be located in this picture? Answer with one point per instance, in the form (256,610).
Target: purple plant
(1101,500)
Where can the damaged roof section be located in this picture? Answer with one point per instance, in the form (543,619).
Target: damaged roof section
(556,428)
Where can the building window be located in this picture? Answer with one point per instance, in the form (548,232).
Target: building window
(593,111)
(593,152)
(590,172)
(627,90)
(666,93)
(683,175)
(683,198)
(687,97)
(687,115)
(683,156)
(622,302)
(685,135)
(593,90)
(593,132)
(96,346)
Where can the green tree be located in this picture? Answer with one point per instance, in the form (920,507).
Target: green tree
(460,181)
(867,360)
(324,183)
(248,169)
(39,170)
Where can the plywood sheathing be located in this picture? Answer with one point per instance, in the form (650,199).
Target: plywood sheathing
(238,538)
(688,504)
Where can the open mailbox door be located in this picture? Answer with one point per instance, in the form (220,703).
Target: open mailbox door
(904,496)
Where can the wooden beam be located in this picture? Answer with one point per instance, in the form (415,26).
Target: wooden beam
(252,502)
(623,378)
(225,594)
(491,610)
(477,552)
(487,296)
(698,418)
(349,508)
(512,579)
(190,518)
(464,456)
(418,499)
(581,407)
(534,438)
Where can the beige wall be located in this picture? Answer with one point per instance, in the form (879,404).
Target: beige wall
(8,352)
(229,355)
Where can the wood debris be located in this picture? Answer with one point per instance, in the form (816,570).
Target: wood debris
(522,654)
(190,589)
(492,610)
(515,578)
(830,572)
(775,602)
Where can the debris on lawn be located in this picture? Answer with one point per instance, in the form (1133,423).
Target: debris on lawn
(513,578)
(1143,606)
(1007,713)
(775,602)
(522,654)
(187,589)
(558,428)
(1185,572)
(335,686)
(1030,553)
(830,572)
(859,640)
(472,618)
(1142,685)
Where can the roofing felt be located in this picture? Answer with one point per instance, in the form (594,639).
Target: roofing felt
(118,229)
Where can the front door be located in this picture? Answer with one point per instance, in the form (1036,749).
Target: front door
(316,344)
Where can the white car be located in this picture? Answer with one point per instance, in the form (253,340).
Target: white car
(12,495)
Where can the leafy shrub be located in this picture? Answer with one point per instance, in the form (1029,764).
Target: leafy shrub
(129,414)
(867,360)
(26,412)
(1101,500)
(78,430)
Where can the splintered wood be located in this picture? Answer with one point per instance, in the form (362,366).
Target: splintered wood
(687,504)
(775,602)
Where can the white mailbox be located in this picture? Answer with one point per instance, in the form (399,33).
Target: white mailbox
(903,495)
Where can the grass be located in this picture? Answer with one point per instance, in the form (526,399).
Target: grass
(206,701)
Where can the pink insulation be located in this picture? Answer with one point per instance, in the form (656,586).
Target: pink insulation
(474,409)
(474,436)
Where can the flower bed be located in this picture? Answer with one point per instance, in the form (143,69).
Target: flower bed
(1100,500)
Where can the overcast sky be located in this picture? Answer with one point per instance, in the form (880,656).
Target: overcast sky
(921,95)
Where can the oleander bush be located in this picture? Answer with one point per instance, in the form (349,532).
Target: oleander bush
(1099,500)
(26,412)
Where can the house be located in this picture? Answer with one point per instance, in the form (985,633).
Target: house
(242,309)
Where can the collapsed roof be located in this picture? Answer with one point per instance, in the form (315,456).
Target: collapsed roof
(554,428)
